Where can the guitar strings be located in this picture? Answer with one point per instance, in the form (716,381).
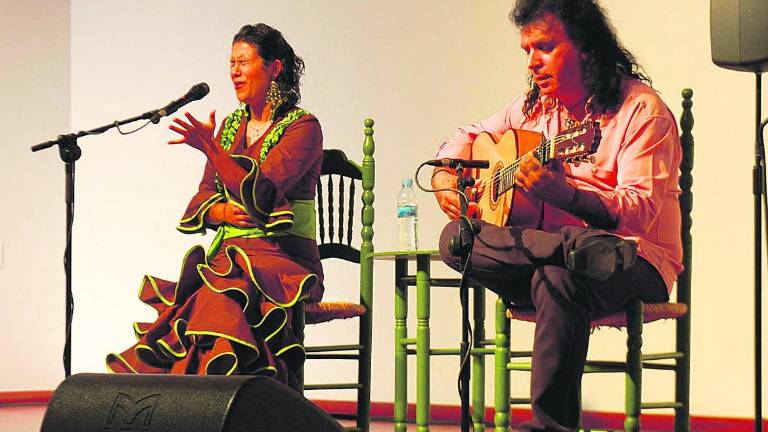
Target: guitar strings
(509,170)
(512,168)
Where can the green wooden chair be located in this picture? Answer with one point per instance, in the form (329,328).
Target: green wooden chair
(337,194)
(637,313)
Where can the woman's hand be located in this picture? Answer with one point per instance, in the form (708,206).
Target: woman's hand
(196,134)
(546,182)
(221,213)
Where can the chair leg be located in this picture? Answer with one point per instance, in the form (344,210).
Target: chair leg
(683,375)
(478,360)
(634,374)
(501,373)
(401,355)
(364,375)
(365,338)
(298,322)
(422,343)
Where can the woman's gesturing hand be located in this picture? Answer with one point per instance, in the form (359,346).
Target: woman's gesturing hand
(196,134)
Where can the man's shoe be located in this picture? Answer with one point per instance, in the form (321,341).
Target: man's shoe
(601,256)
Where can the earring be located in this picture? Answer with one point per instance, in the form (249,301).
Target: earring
(274,97)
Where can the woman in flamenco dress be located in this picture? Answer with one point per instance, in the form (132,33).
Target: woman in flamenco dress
(230,311)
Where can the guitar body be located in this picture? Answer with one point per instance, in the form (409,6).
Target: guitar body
(493,206)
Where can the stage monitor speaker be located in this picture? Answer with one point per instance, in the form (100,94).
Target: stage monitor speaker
(181,403)
(739,34)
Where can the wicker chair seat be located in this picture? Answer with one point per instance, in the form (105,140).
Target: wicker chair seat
(651,312)
(321,312)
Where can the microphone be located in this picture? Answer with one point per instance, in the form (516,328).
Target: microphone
(453,163)
(198,91)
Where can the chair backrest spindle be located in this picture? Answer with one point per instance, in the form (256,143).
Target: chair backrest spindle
(331,229)
(351,213)
(320,213)
(341,210)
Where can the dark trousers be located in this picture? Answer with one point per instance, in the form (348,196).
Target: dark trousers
(526,268)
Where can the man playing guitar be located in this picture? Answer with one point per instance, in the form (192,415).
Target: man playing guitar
(573,241)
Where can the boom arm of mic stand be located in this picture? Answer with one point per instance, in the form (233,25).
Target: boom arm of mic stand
(62,139)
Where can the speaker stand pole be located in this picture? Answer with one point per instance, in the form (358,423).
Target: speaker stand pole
(758,174)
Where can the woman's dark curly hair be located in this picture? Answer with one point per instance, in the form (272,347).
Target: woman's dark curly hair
(272,46)
(606,61)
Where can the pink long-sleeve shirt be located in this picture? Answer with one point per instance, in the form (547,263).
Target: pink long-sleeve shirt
(635,172)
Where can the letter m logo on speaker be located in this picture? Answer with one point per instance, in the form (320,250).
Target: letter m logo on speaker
(129,414)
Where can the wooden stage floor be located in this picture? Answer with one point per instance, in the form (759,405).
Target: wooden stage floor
(28,418)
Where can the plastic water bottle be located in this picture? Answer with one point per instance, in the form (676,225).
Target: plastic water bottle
(407,217)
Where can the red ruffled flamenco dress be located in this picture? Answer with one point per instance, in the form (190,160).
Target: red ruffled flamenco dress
(230,311)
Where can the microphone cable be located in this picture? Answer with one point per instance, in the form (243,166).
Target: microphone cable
(117,126)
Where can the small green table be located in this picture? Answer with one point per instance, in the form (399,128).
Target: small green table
(424,283)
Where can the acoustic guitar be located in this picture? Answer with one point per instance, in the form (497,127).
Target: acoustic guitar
(572,145)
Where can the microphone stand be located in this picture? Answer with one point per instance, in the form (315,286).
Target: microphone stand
(758,177)
(70,152)
(463,246)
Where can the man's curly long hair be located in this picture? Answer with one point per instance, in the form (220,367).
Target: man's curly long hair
(606,61)
(272,46)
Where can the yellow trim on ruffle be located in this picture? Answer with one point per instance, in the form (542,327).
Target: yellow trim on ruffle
(151,278)
(288,347)
(200,214)
(253,172)
(229,354)
(156,289)
(168,348)
(266,368)
(158,359)
(137,331)
(253,279)
(264,319)
(122,361)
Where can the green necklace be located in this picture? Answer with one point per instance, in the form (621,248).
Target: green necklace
(232,124)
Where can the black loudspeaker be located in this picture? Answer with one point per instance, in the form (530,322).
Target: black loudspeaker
(739,34)
(181,403)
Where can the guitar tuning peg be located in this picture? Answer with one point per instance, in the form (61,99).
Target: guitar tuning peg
(592,159)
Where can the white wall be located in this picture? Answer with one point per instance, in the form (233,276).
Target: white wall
(419,69)
(34,107)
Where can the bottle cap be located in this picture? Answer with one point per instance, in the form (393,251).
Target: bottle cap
(407,182)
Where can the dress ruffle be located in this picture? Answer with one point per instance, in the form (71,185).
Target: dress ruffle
(193,220)
(262,200)
(231,315)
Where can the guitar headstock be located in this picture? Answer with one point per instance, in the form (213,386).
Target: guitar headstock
(575,144)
